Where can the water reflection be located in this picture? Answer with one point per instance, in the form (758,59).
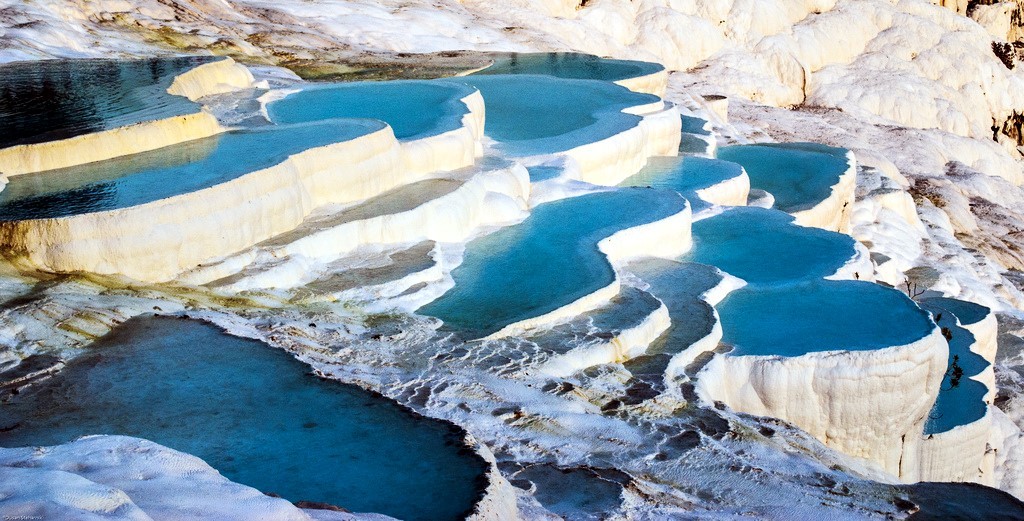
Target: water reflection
(49,100)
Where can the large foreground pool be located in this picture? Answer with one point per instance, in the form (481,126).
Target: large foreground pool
(258,416)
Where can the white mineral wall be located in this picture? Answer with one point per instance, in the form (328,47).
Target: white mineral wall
(624,345)
(609,161)
(156,241)
(219,77)
(450,150)
(835,211)
(730,192)
(862,403)
(986,333)
(499,501)
(654,83)
(107,144)
(1007,453)
(958,454)
(666,238)
(490,198)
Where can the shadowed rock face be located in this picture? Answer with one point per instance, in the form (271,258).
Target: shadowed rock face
(960,502)
(257,416)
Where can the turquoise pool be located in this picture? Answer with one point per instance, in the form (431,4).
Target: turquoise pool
(686,175)
(177,169)
(255,414)
(535,114)
(57,99)
(570,65)
(799,175)
(819,315)
(413,109)
(549,260)
(763,246)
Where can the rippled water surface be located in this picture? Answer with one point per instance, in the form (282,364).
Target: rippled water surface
(56,99)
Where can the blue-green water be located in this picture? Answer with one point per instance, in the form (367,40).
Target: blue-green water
(685,175)
(414,109)
(570,65)
(549,260)
(533,114)
(799,175)
(255,414)
(763,246)
(166,172)
(963,402)
(820,315)
(57,99)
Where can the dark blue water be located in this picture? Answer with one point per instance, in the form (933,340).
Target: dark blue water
(414,109)
(177,169)
(968,312)
(533,114)
(763,246)
(570,65)
(960,401)
(256,415)
(820,315)
(57,99)
(549,260)
(799,175)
